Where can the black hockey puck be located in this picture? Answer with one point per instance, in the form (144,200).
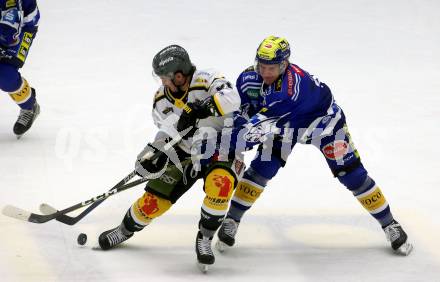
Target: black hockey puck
(82,239)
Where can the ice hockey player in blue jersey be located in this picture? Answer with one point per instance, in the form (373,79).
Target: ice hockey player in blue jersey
(281,105)
(18,27)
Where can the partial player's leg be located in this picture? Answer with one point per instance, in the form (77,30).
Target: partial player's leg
(18,87)
(160,195)
(219,182)
(344,161)
(139,215)
(249,189)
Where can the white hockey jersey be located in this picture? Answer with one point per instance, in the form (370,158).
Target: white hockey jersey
(204,83)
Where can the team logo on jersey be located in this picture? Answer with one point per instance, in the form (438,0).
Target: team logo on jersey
(335,150)
(253,93)
(249,76)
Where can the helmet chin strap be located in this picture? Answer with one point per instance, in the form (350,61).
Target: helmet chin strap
(283,67)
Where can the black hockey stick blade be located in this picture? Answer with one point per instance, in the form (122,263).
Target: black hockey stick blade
(21,214)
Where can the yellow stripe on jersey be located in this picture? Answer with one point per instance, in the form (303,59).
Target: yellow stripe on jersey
(217,104)
(24,46)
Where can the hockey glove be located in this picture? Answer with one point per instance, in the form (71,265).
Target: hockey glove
(10,27)
(151,160)
(194,111)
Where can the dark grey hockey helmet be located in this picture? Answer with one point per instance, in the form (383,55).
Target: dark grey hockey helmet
(172,59)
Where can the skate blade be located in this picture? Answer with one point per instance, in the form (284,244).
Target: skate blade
(221,247)
(405,249)
(203,267)
(19,136)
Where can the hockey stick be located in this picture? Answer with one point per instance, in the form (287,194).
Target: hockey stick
(69,220)
(20,214)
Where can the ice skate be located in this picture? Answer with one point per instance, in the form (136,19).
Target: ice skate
(113,237)
(25,120)
(226,234)
(398,238)
(205,256)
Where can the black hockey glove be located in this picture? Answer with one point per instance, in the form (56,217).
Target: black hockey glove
(194,111)
(148,163)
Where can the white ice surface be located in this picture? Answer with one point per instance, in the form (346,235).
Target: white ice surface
(91,66)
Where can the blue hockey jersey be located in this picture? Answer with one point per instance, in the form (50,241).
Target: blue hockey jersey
(296,101)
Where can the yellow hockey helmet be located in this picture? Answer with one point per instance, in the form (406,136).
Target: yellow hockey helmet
(273,50)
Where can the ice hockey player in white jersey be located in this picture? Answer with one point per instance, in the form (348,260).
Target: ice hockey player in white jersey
(187,99)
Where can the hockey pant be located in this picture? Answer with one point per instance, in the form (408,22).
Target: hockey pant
(220,179)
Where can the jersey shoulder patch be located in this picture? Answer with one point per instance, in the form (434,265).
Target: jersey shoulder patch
(159,95)
(251,68)
(206,79)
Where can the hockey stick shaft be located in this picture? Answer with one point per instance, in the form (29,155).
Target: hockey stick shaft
(18,213)
(77,218)
(69,220)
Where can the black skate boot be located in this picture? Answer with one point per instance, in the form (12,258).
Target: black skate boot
(26,119)
(226,234)
(113,237)
(205,256)
(398,238)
